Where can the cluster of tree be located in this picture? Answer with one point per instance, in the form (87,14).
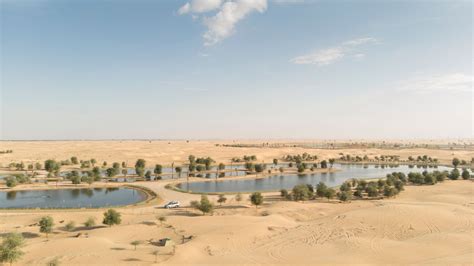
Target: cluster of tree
(6,151)
(456,162)
(349,158)
(18,166)
(199,164)
(51,166)
(391,186)
(13,180)
(245,158)
(304,192)
(423,159)
(300,158)
(259,167)
(114,170)
(88,177)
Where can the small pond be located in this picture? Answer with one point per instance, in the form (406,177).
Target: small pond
(71,198)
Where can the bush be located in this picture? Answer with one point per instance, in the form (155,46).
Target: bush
(454,174)
(321,189)
(10,248)
(344,195)
(205,206)
(465,174)
(46,225)
(284,193)
(221,199)
(256,198)
(301,192)
(112,217)
(89,222)
(330,193)
(70,226)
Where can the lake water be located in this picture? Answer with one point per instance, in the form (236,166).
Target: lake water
(71,198)
(288,181)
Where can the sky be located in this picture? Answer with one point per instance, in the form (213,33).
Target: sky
(235,69)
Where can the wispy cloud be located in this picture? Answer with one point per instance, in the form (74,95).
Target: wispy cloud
(199,6)
(333,54)
(454,82)
(221,25)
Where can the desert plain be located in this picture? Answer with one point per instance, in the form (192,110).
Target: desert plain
(432,224)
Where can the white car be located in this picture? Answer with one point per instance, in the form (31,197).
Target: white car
(172,204)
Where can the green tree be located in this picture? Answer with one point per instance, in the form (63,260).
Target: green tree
(321,189)
(301,192)
(344,195)
(46,225)
(148,175)
(93,162)
(330,193)
(178,170)
(158,170)
(331,162)
(256,199)
(205,206)
(221,199)
(10,249)
(51,166)
(74,160)
(324,164)
(454,175)
(456,162)
(140,167)
(275,162)
(112,217)
(11,181)
(284,193)
(465,174)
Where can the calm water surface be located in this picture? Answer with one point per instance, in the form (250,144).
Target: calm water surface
(71,198)
(288,181)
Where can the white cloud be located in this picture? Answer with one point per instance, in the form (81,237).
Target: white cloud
(333,54)
(199,6)
(222,24)
(454,82)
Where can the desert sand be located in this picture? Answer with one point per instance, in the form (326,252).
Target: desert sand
(423,224)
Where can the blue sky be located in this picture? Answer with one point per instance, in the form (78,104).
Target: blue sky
(204,69)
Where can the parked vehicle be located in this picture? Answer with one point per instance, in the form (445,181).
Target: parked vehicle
(172,204)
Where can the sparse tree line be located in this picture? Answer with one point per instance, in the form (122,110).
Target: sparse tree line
(391,186)
(206,206)
(299,158)
(245,158)
(6,151)
(11,247)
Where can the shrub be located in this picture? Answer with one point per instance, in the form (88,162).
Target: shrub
(284,193)
(301,192)
(256,198)
(112,217)
(10,248)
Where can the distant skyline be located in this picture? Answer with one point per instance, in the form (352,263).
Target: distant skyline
(221,69)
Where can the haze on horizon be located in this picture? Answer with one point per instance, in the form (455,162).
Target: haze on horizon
(206,69)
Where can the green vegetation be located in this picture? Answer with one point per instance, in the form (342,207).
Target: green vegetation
(221,199)
(140,167)
(205,206)
(89,222)
(112,217)
(70,226)
(256,199)
(10,249)
(46,225)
